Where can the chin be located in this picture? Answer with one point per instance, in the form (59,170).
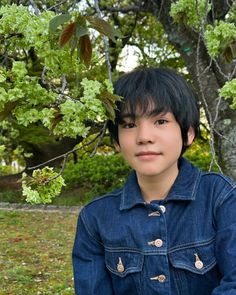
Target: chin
(149,173)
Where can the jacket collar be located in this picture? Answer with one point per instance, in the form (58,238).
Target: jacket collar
(183,189)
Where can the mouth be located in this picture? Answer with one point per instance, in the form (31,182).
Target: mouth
(148,156)
(140,154)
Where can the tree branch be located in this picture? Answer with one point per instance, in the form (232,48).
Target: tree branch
(133,8)
(105,43)
(65,155)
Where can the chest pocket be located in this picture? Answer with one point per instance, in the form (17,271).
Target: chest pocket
(124,263)
(125,268)
(194,268)
(198,258)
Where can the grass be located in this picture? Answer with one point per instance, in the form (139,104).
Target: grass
(35,253)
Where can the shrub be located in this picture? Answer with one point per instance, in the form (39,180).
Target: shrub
(97,175)
(199,154)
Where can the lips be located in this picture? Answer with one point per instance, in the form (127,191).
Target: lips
(147,156)
(149,153)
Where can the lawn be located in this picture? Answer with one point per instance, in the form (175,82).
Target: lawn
(35,252)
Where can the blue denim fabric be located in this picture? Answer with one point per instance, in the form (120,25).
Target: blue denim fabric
(125,246)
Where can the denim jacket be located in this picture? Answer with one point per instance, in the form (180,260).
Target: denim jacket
(182,245)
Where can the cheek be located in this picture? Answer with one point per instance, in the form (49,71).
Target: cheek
(173,139)
(125,138)
(125,149)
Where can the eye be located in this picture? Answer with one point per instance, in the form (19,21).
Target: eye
(161,122)
(126,125)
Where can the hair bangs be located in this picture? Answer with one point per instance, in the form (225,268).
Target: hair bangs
(144,103)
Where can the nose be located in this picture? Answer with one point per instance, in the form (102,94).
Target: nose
(144,134)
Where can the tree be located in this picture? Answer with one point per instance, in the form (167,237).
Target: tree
(47,86)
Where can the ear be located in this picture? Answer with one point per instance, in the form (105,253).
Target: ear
(191,136)
(117,147)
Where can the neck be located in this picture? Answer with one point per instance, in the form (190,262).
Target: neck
(157,187)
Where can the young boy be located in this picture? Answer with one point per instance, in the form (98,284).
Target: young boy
(171,230)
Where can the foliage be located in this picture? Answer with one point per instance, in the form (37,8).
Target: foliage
(199,154)
(32,258)
(190,12)
(77,33)
(44,84)
(229,91)
(30,96)
(97,175)
(44,185)
(5,170)
(10,149)
(220,39)
(11,196)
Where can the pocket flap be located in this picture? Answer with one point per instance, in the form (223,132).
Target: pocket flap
(198,258)
(124,263)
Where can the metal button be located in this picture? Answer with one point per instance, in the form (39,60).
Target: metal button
(198,263)
(157,243)
(120,266)
(160,278)
(163,208)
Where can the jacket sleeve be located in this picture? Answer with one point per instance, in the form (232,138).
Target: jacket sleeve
(225,249)
(90,274)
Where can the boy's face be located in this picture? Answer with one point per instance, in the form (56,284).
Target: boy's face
(152,144)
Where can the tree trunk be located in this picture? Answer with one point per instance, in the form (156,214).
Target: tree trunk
(10,182)
(45,152)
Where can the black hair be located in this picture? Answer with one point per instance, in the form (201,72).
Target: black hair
(151,91)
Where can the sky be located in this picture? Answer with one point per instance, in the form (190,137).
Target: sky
(129,59)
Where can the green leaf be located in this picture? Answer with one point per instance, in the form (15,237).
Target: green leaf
(2,78)
(103,27)
(44,185)
(57,21)
(80,31)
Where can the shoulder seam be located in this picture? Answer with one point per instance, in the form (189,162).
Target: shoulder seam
(87,228)
(223,177)
(108,195)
